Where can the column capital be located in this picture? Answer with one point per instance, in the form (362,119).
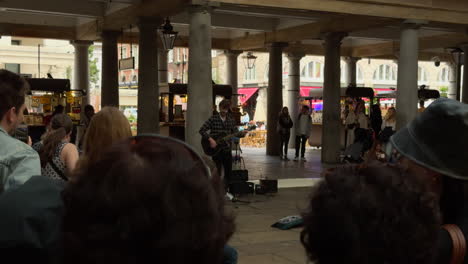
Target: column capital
(83,43)
(232,53)
(413,23)
(296,54)
(277,45)
(153,22)
(110,34)
(334,37)
(351,59)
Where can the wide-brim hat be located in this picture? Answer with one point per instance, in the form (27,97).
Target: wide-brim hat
(437,139)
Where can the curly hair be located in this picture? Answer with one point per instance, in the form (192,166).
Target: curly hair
(147,199)
(60,126)
(370,214)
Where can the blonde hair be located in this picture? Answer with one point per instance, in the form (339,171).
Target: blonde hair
(105,129)
(391,114)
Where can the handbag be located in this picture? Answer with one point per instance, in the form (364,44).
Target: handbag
(458,242)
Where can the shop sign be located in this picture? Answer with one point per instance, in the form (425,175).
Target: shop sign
(127,63)
(45,100)
(35,101)
(70,100)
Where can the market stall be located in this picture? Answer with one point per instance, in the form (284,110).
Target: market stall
(173,106)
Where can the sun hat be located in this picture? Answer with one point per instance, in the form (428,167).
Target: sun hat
(437,139)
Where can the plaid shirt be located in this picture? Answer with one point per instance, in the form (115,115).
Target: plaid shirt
(215,125)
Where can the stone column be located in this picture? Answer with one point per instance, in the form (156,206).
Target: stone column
(331,132)
(200,87)
(294,89)
(464,88)
(148,84)
(274,97)
(407,83)
(81,68)
(162,65)
(351,71)
(453,80)
(110,69)
(231,73)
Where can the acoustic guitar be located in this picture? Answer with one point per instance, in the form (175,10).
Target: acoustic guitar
(221,141)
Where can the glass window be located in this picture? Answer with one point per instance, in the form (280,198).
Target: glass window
(250,74)
(444,75)
(384,73)
(313,70)
(15,42)
(170,56)
(422,76)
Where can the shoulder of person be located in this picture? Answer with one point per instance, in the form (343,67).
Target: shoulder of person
(69,147)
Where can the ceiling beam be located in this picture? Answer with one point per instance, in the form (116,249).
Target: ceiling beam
(425,43)
(125,17)
(37,31)
(232,21)
(181,41)
(308,31)
(56,7)
(398,11)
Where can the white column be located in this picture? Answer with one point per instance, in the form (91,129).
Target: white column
(148,85)
(162,65)
(200,91)
(294,88)
(453,79)
(351,71)
(81,68)
(331,132)
(274,97)
(231,73)
(110,69)
(464,88)
(407,83)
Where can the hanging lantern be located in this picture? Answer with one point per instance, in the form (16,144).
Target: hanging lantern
(249,60)
(168,35)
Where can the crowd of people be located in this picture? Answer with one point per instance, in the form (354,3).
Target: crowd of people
(127,199)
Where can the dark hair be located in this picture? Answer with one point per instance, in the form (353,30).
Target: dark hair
(453,199)
(148,199)
(88,108)
(58,110)
(371,214)
(224,104)
(13,89)
(60,126)
(306,107)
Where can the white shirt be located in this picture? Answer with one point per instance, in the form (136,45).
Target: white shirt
(303,128)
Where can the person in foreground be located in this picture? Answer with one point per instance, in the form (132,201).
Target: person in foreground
(148,198)
(434,147)
(107,127)
(18,161)
(58,155)
(370,214)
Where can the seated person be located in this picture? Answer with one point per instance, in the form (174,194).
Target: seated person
(370,214)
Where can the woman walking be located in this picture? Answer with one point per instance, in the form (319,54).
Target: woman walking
(285,124)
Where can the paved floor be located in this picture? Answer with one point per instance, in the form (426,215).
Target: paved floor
(262,166)
(256,241)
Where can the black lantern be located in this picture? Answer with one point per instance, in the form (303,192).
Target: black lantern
(249,60)
(168,35)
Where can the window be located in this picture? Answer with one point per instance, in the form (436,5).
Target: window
(135,54)
(123,79)
(13,67)
(135,78)
(15,42)
(344,71)
(385,73)
(422,76)
(250,74)
(313,70)
(214,53)
(444,75)
(124,52)
(170,56)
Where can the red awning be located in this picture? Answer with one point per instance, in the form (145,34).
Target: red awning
(305,90)
(246,93)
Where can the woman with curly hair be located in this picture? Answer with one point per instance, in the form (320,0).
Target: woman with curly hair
(147,199)
(372,214)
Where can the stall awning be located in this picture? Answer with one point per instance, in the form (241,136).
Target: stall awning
(306,89)
(246,93)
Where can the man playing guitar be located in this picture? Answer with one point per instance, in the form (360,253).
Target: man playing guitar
(221,123)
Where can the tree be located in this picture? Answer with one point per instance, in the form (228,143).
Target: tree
(443,91)
(93,69)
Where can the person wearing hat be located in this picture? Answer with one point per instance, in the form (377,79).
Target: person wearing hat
(434,146)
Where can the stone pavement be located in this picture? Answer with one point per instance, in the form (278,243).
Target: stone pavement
(260,165)
(256,241)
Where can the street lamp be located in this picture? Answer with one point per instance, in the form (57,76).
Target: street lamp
(168,35)
(249,60)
